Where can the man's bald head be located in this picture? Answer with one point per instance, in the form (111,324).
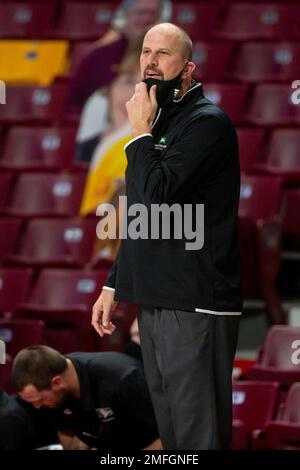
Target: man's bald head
(175,33)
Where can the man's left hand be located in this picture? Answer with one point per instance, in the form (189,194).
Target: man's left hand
(141,109)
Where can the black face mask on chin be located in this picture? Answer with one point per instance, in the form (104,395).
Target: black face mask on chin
(165,90)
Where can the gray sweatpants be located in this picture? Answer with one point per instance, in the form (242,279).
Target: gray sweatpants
(188,359)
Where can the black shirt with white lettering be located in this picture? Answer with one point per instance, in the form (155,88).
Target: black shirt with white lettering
(114,411)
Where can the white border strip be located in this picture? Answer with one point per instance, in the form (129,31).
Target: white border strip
(136,138)
(201,310)
(190,89)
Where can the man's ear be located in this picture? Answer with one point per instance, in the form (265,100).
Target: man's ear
(56,382)
(188,69)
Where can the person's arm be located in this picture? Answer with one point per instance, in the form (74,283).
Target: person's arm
(71,442)
(103,307)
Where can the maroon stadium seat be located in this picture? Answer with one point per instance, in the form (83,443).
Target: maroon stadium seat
(84,20)
(250,147)
(18,334)
(261,197)
(282,156)
(258,61)
(246,21)
(39,148)
(271,105)
(211,59)
(34,104)
(14,288)
(9,232)
(46,195)
(197,19)
(64,299)
(254,404)
(230,97)
(55,242)
(26,19)
(284,432)
(5,186)
(260,230)
(278,360)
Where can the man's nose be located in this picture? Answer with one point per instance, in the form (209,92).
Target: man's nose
(152,60)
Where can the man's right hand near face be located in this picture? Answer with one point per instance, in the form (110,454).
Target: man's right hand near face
(102,312)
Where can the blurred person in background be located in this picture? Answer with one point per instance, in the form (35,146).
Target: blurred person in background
(104,114)
(106,175)
(97,67)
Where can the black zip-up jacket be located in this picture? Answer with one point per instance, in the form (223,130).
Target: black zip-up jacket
(190,158)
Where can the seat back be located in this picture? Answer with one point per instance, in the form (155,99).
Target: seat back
(273,105)
(211,59)
(26,19)
(84,20)
(259,61)
(250,147)
(67,289)
(281,348)
(18,334)
(14,288)
(291,409)
(283,149)
(31,148)
(5,185)
(50,240)
(9,232)
(31,62)
(27,103)
(261,197)
(254,403)
(197,19)
(230,97)
(38,194)
(244,21)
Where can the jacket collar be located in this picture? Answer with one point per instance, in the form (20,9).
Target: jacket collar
(195,89)
(194,86)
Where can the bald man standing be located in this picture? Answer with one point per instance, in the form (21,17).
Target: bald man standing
(184,152)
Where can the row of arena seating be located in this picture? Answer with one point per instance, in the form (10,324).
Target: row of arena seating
(206,19)
(59,195)
(50,149)
(267,104)
(42,194)
(261,421)
(40,62)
